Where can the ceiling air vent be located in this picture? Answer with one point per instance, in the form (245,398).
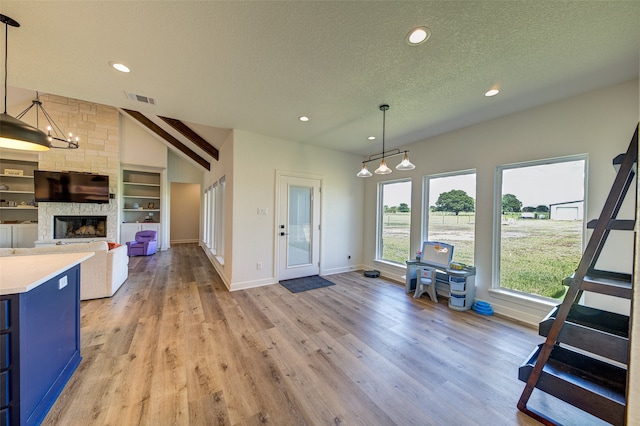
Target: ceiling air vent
(140,98)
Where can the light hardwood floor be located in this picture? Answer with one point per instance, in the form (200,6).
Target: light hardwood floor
(174,347)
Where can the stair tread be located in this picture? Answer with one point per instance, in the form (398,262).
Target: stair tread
(592,385)
(595,319)
(611,283)
(615,224)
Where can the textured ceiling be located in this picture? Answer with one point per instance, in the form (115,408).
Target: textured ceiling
(257,66)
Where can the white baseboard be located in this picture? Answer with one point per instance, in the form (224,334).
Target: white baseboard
(252,284)
(340,270)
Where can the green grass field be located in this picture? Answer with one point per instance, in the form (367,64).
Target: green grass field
(535,254)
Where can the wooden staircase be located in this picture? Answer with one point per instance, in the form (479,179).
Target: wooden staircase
(584,358)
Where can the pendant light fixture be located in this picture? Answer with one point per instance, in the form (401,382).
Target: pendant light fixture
(364,172)
(16,134)
(383,169)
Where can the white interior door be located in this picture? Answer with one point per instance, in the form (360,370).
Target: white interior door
(299,227)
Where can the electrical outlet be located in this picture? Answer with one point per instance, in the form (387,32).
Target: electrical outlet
(259,266)
(62,282)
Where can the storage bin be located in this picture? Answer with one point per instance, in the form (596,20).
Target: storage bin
(457,300)
(457,283)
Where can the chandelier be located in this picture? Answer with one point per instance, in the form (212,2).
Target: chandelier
(57,137)
(383,169)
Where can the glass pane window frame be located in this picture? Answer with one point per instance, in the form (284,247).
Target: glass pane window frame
(498,216)
(426,209)
(380,220)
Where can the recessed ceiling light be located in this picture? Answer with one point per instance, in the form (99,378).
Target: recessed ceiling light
(372,138)
(491,92)
(120,67)
(418,36)
(303,118)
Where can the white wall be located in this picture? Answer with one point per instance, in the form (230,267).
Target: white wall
(222,168)
(185,212)
(139,147)
(599,124)
(181,170)
(253,184)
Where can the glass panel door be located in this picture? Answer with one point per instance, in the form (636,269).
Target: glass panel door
(299,226)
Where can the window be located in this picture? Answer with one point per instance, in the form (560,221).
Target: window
(219,214)
(539,218)
(394,221)
(449,213)
(206,219)
(213,193)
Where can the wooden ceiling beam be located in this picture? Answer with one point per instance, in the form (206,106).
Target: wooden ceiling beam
(167,137)
(188,133)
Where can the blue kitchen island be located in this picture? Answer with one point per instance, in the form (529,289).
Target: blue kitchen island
(39,332)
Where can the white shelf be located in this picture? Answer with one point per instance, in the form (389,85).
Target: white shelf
(15,176)
(19,208)
(20,190)
(2,191)
(140,187)
(141,184)
(142,196)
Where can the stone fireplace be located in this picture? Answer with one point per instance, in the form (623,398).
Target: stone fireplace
(79,227)
(63,222)
(98,128)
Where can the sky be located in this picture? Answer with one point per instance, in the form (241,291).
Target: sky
(542,184)
(545,184)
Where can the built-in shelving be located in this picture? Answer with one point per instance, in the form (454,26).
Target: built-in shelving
(141,196)
(17,196)
(141,205)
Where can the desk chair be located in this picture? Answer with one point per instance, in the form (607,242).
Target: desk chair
(434,255)
(426,283)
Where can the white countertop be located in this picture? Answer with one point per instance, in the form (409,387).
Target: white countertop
(20,274)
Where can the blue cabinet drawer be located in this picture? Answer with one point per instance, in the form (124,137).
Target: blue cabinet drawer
(457,300)
(5,394)
(5,355)
(4,314)
(457,283)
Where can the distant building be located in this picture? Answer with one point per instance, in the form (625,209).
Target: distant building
(570,210)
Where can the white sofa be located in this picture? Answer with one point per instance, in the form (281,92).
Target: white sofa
(100,276)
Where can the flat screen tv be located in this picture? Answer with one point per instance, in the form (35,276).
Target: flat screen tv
(70,187)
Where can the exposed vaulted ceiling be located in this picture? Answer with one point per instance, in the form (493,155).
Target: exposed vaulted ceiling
(257,66)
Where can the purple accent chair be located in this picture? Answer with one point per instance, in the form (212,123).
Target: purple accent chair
(144,245)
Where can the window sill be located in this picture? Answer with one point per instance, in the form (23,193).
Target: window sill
(523,299)
(386,263)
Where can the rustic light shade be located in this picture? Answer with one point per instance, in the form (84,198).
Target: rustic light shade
(383,169)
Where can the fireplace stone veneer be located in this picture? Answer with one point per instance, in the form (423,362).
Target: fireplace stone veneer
(79,227)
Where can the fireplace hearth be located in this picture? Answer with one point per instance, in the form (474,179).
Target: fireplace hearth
(79,227)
